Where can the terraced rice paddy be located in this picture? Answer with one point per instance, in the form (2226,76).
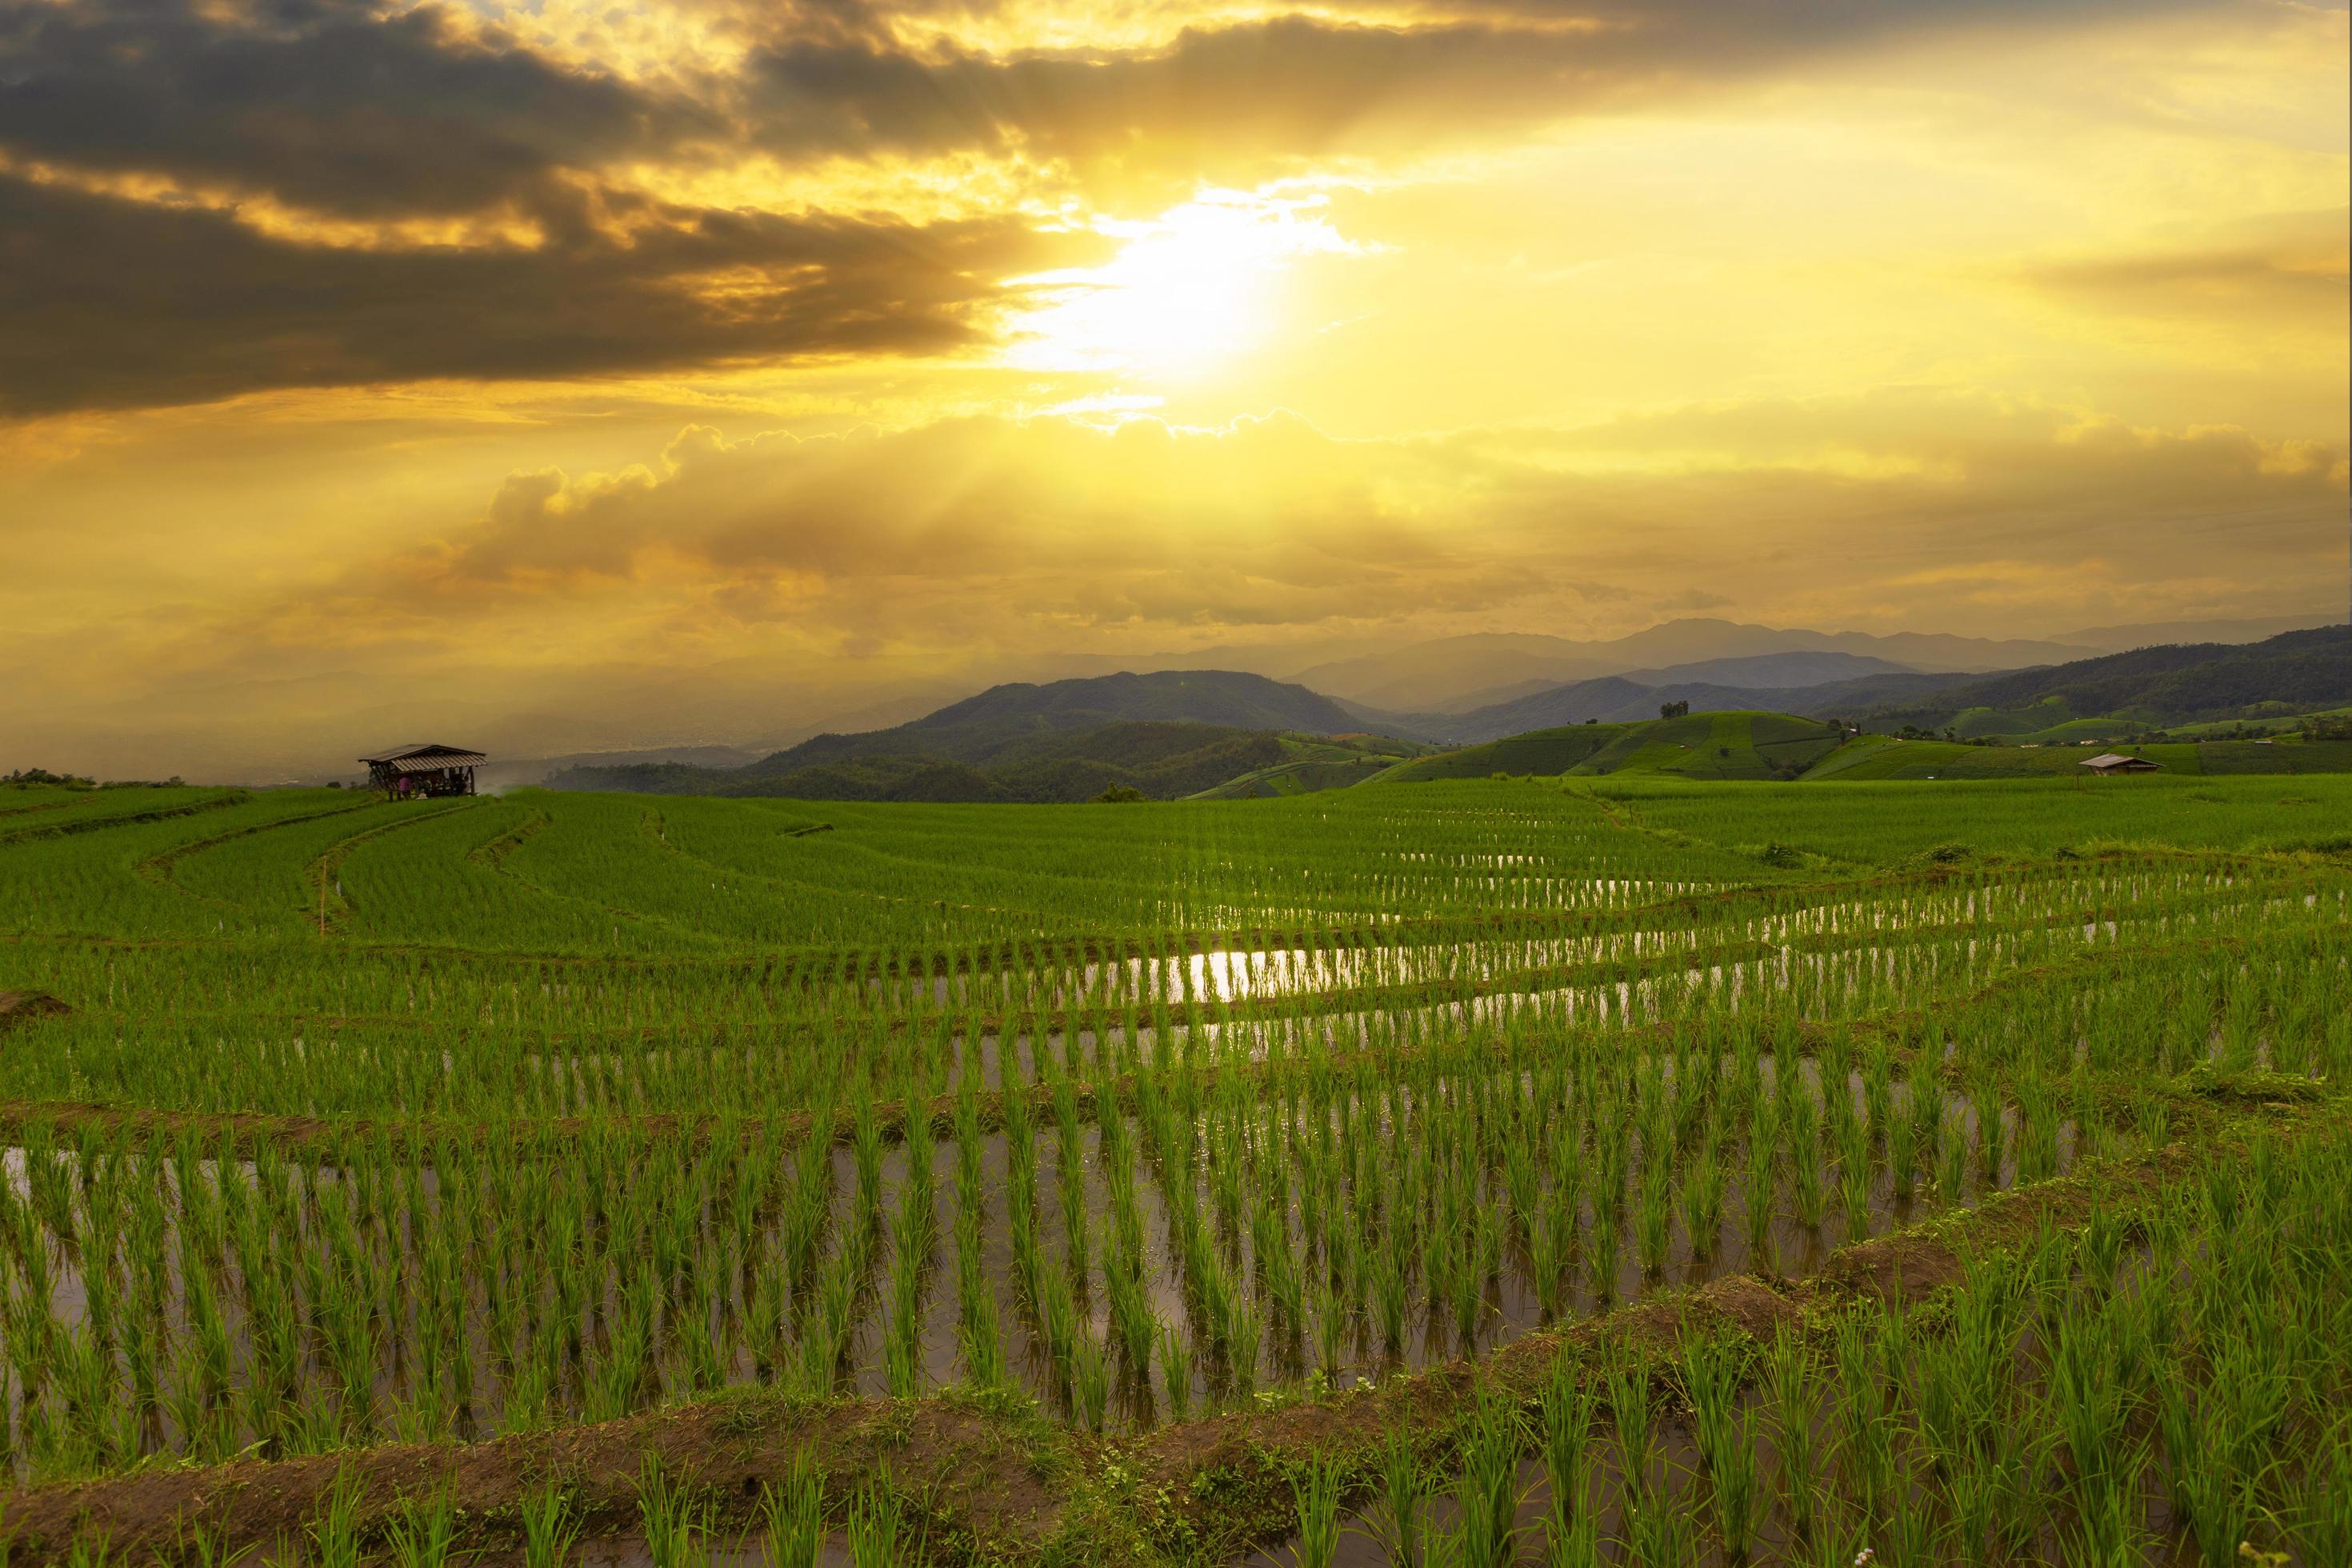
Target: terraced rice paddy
(1662,1172)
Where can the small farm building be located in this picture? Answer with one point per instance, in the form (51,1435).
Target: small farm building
(412,772)
(2109,763)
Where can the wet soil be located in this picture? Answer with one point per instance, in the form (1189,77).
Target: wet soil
(20,1006)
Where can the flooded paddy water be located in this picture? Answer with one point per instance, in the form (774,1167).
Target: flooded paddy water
(1344,1272)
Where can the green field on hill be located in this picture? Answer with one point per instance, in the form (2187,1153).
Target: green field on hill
(1881,757)
(719,1175)
(1736,745)
(1755,746)
(1313,762)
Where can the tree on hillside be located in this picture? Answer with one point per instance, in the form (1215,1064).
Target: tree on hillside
(1673,709)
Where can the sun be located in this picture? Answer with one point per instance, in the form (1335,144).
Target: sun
(1189,290)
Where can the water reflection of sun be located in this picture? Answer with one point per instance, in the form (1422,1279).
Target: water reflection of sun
(1190,289)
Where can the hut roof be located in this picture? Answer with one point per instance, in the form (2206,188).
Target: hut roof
(2110,761)
(416,758)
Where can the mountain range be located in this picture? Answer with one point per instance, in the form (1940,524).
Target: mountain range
(1452,673)
(1171,733)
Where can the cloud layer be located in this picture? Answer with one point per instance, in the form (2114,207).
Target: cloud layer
(207,199)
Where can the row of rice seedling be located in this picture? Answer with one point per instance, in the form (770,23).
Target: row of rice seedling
(2167,1389)
(1334,1212)
(268,1028)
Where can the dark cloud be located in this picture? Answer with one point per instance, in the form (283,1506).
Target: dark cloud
(117,303)
(2289,267)
(342,106)
(1292,87)
(361,108)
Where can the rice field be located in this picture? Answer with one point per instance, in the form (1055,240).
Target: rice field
(1485,1171)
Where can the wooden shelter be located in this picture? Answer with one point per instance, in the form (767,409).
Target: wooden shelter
(2110,763)
(410,772)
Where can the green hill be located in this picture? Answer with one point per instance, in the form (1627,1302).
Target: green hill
(1312,763)
(981,724)
(2149,688)
(1164,761)
(1733,745)
(1172,733)
(1537,751)
(1882,757)
(1754,745)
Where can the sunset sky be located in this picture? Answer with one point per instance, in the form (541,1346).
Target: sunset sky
(571,375)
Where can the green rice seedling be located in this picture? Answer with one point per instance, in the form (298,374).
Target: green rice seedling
(1654,1217)
(1472,1269)
(1661,1532)
(1867,1435)
(2322,1515)
(90,1549)
(1572,1543)
(334,1529)
(978,1338)
(1756,1195)
(1568,1408)
(1397,1520)
(902,1366)
(1550,1242)
(791,1515)
(1853,1198)
(1985,1093)
(1488,1496)
(1330,1331)
(1176,1369)
(2018,1460)
(677,1522)
(877,1521)
(2092,1398)
(1391,1301)
(1789,1372)
(423,1532)
(1243,1339)
(1703,1181)
(1802,1124)
(1057,1321)
(2221,1506)
(1727,1439)
(1629,1406)
(1952,1157)
(1971,1490)
(1090,1379)
(1132,1325)
(1316,1489)
(198,1548)
(1911,1531)
(2105,1529)
(551,1527)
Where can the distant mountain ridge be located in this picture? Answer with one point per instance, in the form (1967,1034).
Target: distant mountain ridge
(1432,676)
(2166,684)
(1188,696)
(2172,683)
(1614,698)
(1167,733)
(1159,760)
